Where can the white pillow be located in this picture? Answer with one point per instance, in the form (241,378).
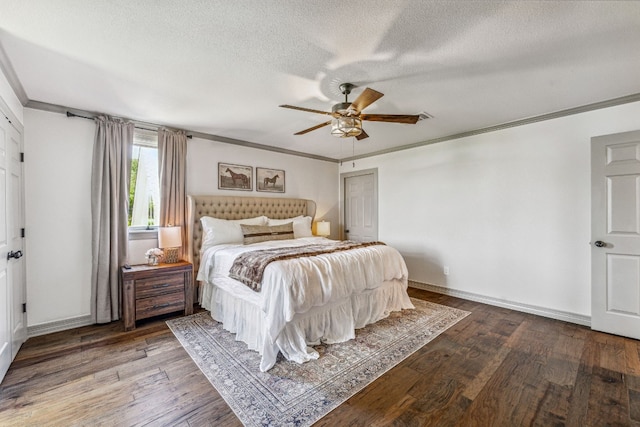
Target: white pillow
(217,231)
(301,225)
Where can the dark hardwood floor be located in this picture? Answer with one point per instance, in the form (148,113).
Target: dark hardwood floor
(496,367)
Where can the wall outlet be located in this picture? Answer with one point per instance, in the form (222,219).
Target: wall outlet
(446,270)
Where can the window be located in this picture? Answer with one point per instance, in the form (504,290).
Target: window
(144,188)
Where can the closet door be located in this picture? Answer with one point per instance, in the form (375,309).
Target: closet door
(361,206)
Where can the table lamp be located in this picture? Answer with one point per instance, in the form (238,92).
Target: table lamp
(323,228)
(170,241)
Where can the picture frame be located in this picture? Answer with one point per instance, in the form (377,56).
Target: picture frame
(270,180)
(235,177)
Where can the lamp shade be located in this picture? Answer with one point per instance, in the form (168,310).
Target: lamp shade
(169,237)
(323,228)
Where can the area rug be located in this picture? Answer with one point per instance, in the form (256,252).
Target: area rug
(290,394)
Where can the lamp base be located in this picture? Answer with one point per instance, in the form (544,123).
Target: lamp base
(171,255)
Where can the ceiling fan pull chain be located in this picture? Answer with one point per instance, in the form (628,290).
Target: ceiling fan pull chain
(353,150)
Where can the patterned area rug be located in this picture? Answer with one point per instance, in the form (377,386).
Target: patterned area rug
(299,395)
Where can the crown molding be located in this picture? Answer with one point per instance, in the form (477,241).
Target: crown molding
(53,108)
(521,122)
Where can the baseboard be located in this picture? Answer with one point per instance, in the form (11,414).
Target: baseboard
(526,308)
(57,326)
(76,322)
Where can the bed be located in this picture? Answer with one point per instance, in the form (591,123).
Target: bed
(303,301)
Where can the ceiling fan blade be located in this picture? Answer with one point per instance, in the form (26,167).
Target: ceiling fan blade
(366,98)
(302,132)
(363,135)
(293,107)
(393,118)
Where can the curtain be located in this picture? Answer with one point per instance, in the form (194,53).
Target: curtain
(109,205)
(172,168)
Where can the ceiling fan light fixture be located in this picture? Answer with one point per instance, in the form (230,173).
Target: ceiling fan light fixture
(348,116)
(345,127)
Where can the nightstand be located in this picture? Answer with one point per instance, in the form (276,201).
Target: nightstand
(152,290)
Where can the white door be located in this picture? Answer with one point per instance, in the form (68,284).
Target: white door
(16,266)
(12,287)
(615,234)
(361,207)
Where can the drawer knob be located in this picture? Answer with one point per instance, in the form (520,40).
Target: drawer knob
(164,285)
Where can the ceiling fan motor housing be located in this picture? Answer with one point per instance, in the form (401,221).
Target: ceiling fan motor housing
(343,108)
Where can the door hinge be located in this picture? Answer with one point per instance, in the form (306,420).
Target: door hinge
(24,307)
(21,157)
(22,233)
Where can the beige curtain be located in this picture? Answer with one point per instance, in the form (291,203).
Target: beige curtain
(109,204)
(172,167)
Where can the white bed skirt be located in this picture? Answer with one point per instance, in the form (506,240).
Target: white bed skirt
(331,323)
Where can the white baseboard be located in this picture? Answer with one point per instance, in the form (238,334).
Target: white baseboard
(63,325)
(57,326)
(526,308)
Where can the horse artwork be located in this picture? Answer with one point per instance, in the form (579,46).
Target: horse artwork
(244,179)
(271,180)
(234,177)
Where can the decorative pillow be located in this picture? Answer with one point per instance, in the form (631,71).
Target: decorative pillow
(301,225)
(217,231)
(263,233)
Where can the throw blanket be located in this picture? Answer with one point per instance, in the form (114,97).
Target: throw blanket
(248,267)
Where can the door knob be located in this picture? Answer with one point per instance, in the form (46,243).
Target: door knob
(600,244)
(12,254)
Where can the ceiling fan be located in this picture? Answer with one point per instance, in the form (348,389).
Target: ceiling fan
(348,116)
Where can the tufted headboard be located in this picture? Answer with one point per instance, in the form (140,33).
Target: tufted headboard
(232,207)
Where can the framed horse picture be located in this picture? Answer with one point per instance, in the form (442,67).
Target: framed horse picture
(235,177)
(271,180)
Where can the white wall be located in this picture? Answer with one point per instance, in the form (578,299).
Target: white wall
(58,204)
(57,175)
(508,212)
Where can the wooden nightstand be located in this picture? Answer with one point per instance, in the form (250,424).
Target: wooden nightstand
(151,290)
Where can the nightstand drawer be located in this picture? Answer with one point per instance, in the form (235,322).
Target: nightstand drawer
(153,306)
(162,284)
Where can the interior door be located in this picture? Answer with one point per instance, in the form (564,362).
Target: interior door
(361,207)
(12,285)
(6,355)
(615,216)
(16,266)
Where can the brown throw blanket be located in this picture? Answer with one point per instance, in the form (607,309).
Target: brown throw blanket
(248,267)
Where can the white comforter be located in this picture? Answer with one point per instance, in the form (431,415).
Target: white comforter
(295,286)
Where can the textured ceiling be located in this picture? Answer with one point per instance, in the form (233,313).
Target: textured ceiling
(223,67)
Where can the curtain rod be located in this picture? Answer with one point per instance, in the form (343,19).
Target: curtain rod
(70,114)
